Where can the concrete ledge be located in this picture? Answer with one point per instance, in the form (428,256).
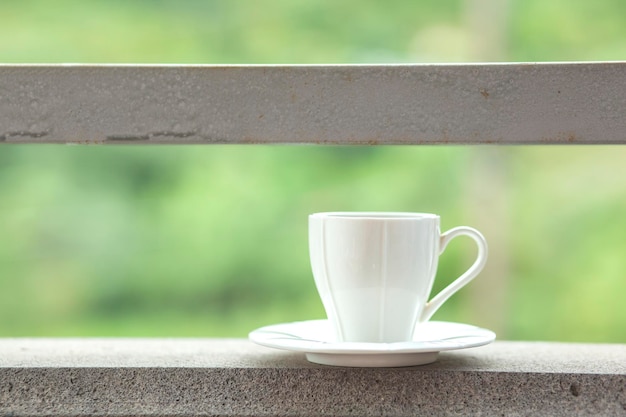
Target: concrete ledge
(522,103)
(150,377)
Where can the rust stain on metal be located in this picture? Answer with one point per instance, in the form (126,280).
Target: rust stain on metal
(150,135)
(327,142)
(85,142)
(563,137)
(127,138)
(169,133)
(23,134)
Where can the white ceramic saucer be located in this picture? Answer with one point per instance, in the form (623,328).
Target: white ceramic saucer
(315,338)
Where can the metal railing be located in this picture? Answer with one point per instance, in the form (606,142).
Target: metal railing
(546,103)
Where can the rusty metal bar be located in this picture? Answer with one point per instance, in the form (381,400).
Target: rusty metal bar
(547,103)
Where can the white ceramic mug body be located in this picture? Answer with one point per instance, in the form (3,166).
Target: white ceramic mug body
(374,271)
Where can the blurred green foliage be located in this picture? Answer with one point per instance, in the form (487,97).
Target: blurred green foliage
(211,241)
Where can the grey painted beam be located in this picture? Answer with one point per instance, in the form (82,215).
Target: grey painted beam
(151,377)
(563,103)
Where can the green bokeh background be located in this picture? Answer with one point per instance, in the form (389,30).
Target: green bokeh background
(211,241)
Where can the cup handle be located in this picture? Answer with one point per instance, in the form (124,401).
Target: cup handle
(436,302)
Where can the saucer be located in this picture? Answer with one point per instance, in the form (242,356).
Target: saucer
(316,339)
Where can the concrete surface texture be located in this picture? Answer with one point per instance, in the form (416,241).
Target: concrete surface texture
(150,377)
(564,103)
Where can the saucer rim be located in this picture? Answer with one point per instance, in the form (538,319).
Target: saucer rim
(482,337)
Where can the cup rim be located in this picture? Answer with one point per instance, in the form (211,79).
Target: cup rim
(375,215)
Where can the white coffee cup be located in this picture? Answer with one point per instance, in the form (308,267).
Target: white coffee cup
(374,271)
